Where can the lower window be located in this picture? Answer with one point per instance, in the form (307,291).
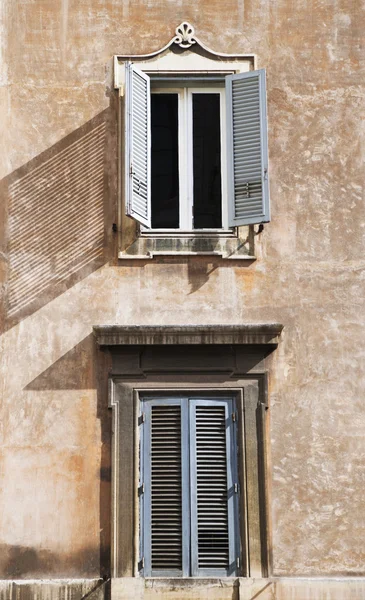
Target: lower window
(189,487)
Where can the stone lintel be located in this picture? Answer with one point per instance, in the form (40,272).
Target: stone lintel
(249,333)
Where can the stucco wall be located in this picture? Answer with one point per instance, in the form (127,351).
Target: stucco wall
(60,275)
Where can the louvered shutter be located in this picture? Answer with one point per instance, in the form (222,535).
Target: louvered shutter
(213,488)
(247,151)
(137,144)
(165,549)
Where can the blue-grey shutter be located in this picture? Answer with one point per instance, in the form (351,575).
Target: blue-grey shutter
(165,488)
(214,488)
(247,149)
(137,144)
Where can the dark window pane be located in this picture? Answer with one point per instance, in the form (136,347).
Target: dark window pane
(207,161)
(164,161)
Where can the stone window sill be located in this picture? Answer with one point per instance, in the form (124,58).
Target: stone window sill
(225,245)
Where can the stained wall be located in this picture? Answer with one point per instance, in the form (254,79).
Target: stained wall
(60,274)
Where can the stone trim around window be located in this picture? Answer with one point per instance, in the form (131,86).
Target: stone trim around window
(184,55)
(213,359)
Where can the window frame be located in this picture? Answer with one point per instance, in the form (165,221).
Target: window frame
(187,403)
(186,174)
(193,60)
(233,360)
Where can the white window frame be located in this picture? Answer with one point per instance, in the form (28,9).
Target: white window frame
(186,174)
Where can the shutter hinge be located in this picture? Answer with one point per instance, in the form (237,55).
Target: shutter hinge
(238,562)
(141,564)
(236,488)
(142,418)
(141,490)
(234,417)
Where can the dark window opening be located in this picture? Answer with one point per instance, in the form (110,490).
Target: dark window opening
(164,161)
(207,161)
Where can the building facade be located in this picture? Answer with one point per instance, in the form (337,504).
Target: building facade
(181,320)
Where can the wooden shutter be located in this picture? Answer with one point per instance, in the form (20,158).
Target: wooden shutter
(247,152)
(164,472)
(137,144)
(214,488)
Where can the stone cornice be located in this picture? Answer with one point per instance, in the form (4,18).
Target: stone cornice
(250,333)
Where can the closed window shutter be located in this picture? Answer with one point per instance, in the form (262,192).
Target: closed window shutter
(213,489)
(189,500)
(248,187)
(138,143)
(165,476)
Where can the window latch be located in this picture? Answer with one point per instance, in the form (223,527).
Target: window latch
(246,189)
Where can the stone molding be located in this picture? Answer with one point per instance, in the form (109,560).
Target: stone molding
(184,38)
(249,333)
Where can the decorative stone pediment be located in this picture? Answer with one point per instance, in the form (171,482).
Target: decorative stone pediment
(185,38)
(183,44)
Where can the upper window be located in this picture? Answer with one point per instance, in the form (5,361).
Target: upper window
(196,153)
(187,154)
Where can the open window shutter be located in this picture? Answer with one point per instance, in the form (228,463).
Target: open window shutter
(247,152)
(138,143)
(213,488)
(165,482)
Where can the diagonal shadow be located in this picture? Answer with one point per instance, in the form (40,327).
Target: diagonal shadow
(84,367)
(53,219)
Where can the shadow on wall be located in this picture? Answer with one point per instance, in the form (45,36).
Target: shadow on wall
(21,562)
(83,367)
(57,215)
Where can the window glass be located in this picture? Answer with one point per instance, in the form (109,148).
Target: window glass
(207,161)
(164,161)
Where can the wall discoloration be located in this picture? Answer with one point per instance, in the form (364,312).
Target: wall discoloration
(61,277)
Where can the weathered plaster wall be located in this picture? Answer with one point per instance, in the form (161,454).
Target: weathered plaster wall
(60,276)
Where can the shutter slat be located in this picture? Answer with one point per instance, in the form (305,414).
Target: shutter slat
(138,142)
(247,148)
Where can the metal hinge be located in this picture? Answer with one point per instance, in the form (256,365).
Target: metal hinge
(141,490)
(234,417)
(238,562)
(236,488)
(141,418)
